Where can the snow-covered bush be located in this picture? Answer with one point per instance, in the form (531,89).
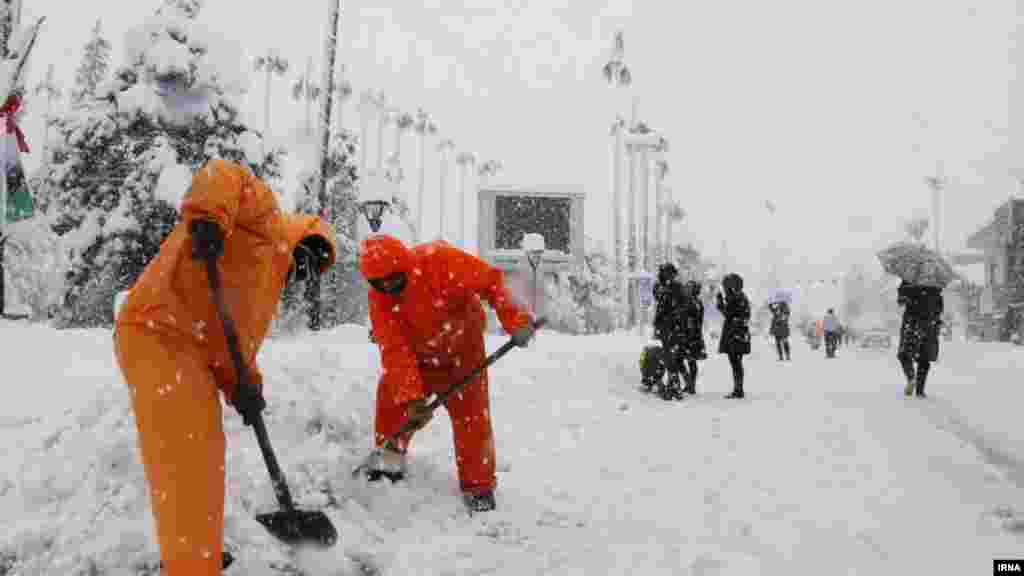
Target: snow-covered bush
(595,292)
(561,308)
(35,266)
(171,107)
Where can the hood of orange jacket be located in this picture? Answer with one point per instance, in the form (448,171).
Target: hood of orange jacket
(172,295)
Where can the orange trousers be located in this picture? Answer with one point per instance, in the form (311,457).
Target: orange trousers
(178,417)
(468,410)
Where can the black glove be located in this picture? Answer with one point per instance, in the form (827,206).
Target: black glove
(419,415)
(249,402)
(521,336)
(207,239)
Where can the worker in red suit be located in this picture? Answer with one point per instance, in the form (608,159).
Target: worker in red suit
(429,323)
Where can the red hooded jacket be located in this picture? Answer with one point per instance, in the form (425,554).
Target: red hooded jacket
(437,316)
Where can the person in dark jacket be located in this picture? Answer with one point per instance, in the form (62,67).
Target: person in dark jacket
(735,343)
(831,326)
(919,333)
(780,328)
(669,328)
(693,348)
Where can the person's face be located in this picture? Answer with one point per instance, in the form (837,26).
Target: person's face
(304,265)
(391,285)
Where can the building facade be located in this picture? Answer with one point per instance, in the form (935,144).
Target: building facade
(1001,301)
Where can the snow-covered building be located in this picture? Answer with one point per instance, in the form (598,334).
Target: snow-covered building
(1002,242)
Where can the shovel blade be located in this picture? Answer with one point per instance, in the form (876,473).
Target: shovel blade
(299,527)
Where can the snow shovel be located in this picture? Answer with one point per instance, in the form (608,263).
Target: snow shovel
(290,525)
(390,443)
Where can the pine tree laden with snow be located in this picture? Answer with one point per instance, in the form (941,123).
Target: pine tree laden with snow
(94,67)
(126,157)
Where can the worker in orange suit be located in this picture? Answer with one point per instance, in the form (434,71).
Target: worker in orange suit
(171,346)
(429,324)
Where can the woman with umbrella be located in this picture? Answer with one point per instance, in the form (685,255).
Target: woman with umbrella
(924,274)
(919,333)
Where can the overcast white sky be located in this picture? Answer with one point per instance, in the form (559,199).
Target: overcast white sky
(808,103)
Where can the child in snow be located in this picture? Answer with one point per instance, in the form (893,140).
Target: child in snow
(429,324)
(172,348)
(780,328)
(735,343)
(919,333)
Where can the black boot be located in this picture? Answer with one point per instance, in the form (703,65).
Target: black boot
(482,502)
(922,376)
(671,390)
(737,386)
(691,379)
(908,372)
(737,377)
(376,475)
(785,347)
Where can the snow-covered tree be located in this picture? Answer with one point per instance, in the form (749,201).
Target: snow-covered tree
(595,292)
(126,157)
(343,290)
(94,67)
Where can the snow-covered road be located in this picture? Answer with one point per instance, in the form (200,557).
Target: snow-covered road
(824,468)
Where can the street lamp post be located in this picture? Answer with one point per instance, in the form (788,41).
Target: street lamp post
(533,246)
(373,211)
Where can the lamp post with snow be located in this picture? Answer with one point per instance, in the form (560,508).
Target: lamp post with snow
(533,246)
(376,196)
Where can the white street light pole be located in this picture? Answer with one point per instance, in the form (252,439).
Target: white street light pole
(533,245)
(464,161)
(443,147)
(616,209)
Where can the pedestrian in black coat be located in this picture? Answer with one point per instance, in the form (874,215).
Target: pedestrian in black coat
(693,348)
(669,328)
(919,333)
(780,328)
(735,343)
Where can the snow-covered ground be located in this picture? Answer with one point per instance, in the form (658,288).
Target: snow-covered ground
(824,468)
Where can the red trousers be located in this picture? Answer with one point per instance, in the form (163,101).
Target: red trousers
(469,411)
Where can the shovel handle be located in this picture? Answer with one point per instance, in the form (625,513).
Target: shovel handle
(284,496)
(441,398)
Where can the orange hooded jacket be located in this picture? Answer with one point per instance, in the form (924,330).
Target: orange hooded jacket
(172,296)
(432,320)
